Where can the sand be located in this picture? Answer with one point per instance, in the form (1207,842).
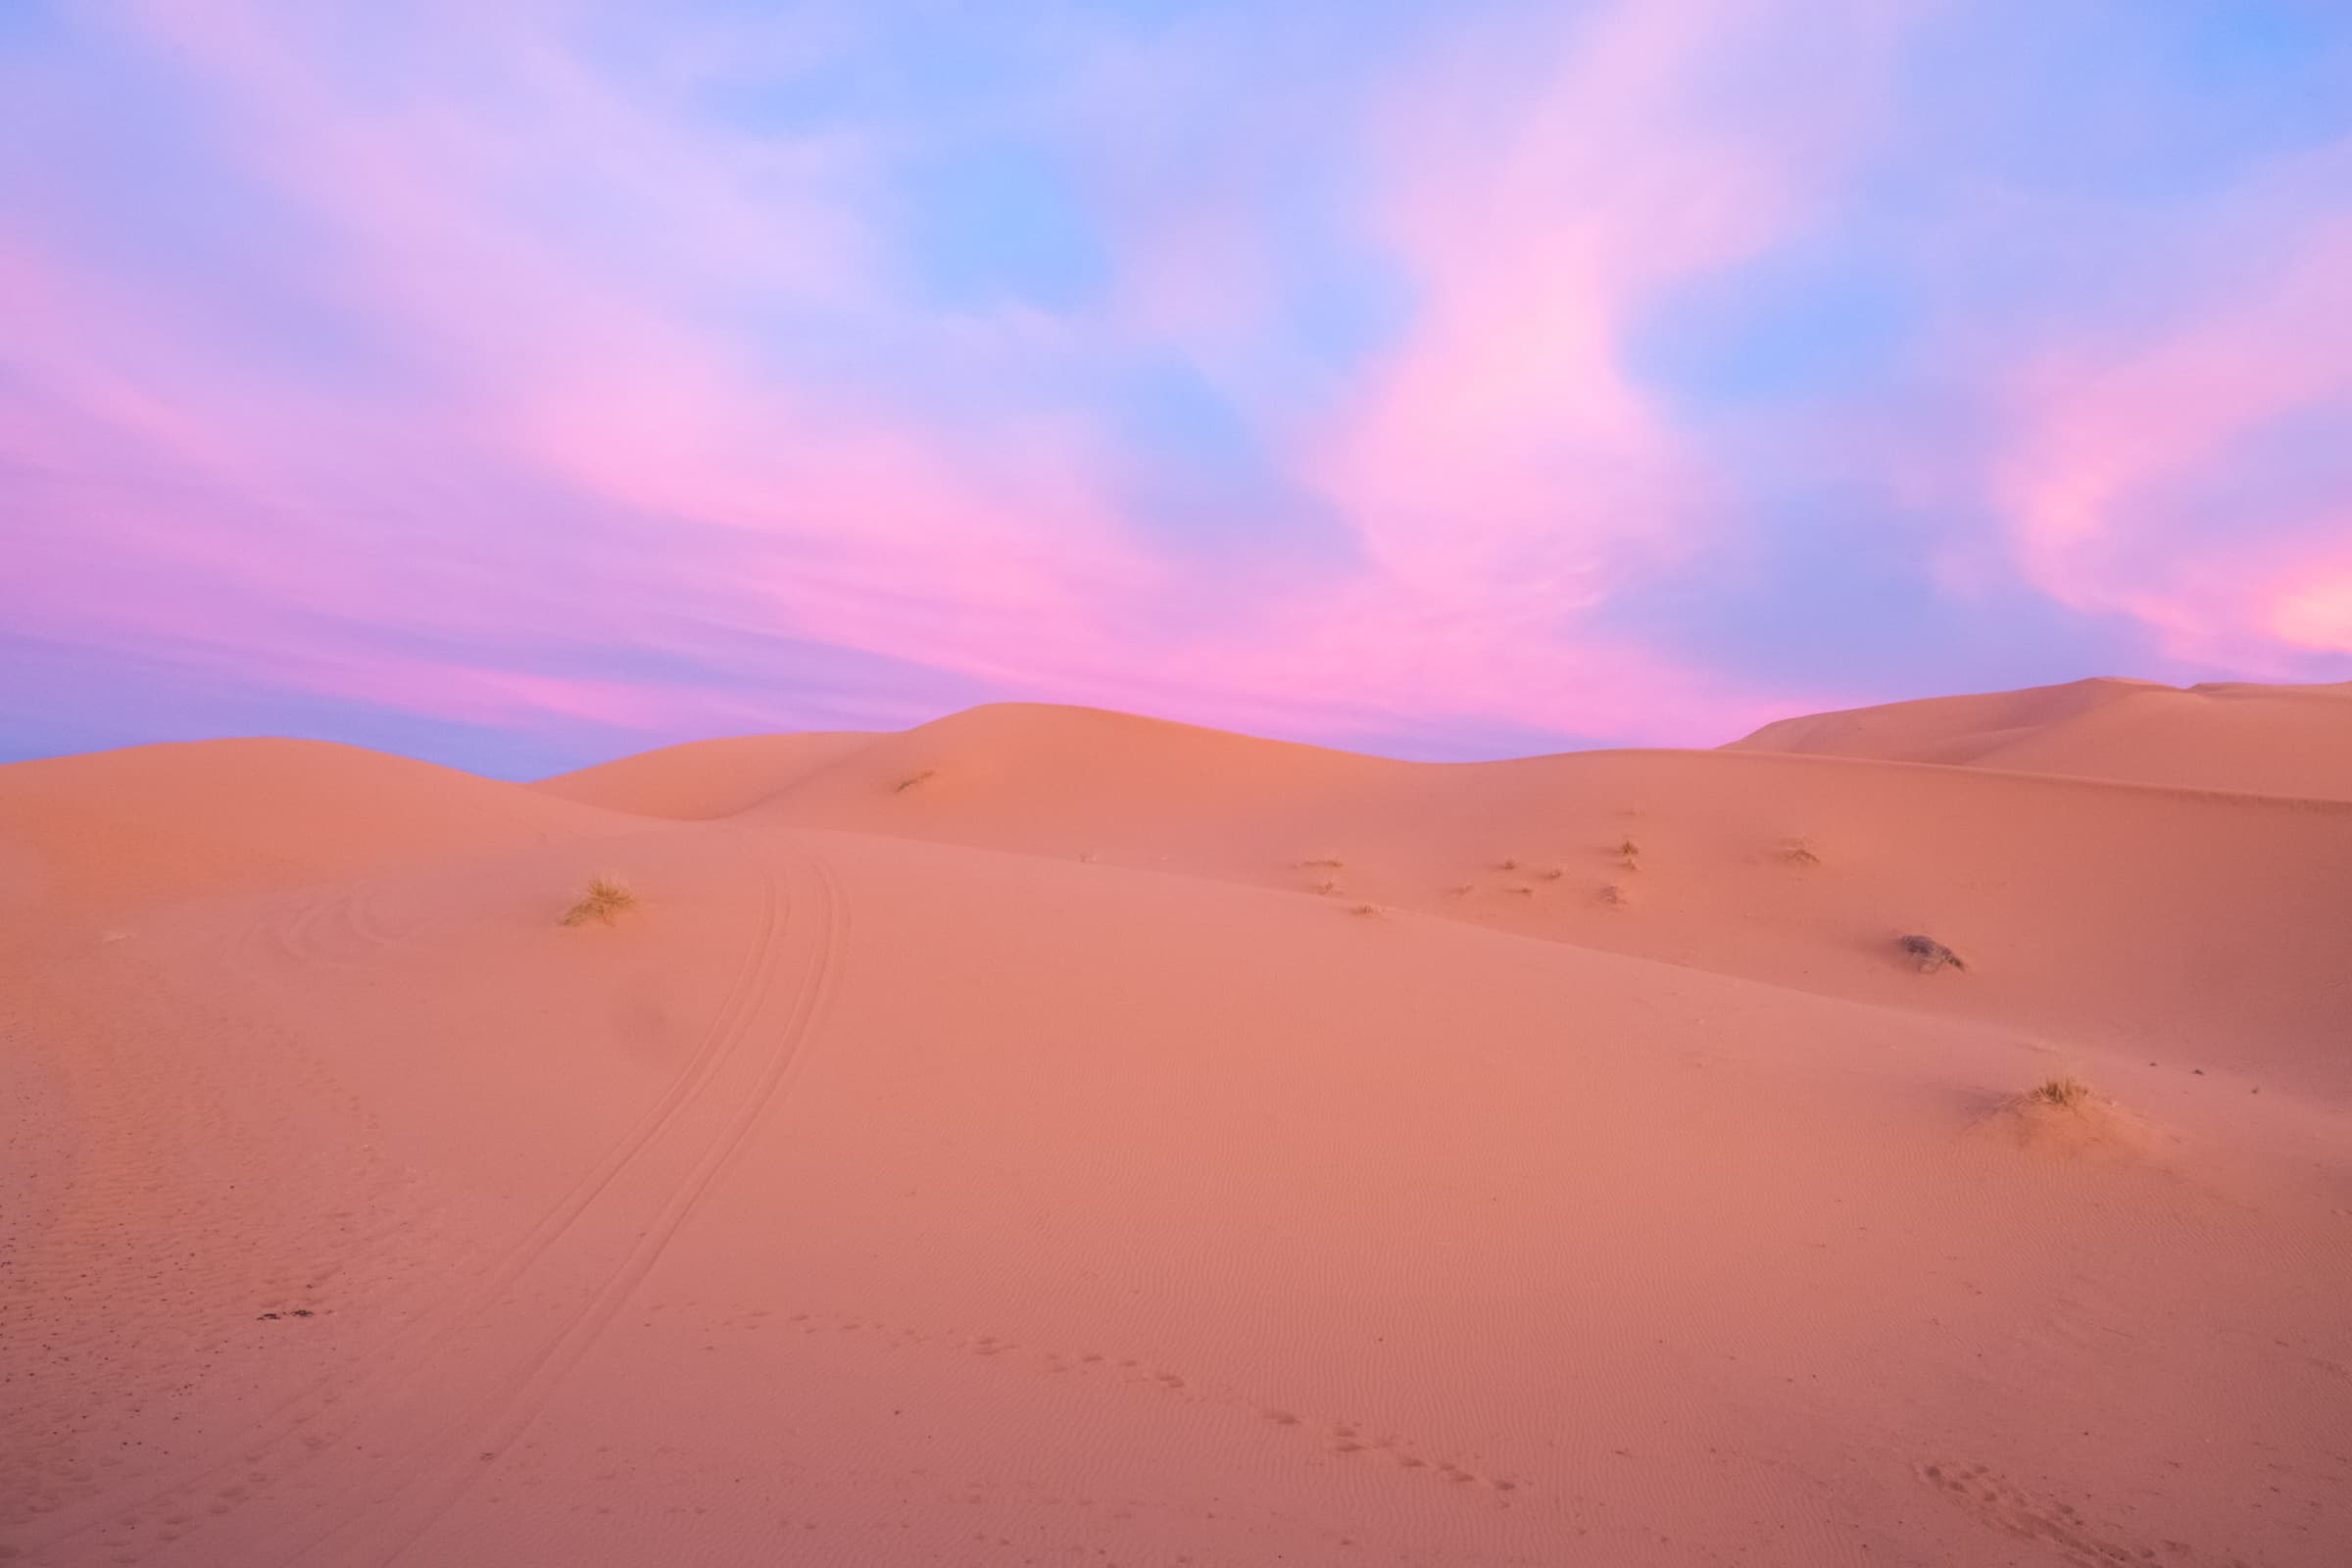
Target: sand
(2270,740)
(1053,1136)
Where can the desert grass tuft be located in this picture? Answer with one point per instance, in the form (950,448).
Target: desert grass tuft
(1365,909)
(1629,853)
(913,779)
(1931,954)
(2063,1091)
(605,898)
(1329,863)
(1799,851)
(1611,892)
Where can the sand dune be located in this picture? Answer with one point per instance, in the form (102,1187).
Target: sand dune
(2102,913)
(2273,739)
(1051,1134)
(703,779)
(125,830)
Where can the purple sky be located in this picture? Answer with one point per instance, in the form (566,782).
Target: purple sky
(522,385)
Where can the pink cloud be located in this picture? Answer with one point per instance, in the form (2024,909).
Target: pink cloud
(2110,435)
(1500,473)
(1504,470)
(2311,605)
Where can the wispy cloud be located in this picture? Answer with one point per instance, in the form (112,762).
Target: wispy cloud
(2192,471)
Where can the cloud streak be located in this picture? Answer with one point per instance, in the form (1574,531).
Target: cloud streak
(2134,462)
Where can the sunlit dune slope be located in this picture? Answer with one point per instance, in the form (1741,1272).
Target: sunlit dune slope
(2110,913)
(704,779)
(864,1200)
(2276,740)
(114,830)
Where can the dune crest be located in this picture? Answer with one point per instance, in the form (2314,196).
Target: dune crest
(2104,910)
(2270,740)
(704,779)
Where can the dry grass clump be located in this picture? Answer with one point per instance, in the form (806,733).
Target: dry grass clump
(2063,1091)
(913,779)
(1365,909)
(1329,863)
(1799,851)
(2063,1115)
(1611,892)
(1552,873)
(1328,886)
(1931,954)
(605,898)
(1631,853)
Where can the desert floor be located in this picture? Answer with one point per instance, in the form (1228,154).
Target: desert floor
(1047,1136)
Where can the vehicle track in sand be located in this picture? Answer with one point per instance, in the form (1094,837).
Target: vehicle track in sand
(438,1478)
(666,1161)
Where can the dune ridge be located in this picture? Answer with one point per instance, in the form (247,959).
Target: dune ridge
(1006,1140)
(2109,909)
(2229,736)
(703,779)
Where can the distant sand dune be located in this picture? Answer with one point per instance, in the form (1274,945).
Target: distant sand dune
(2112,912)
(125,828)
(704,779)
(2272,740)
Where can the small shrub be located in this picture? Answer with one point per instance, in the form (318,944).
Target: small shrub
(604,896)
(1798,851)
(1931,954)
(2064,1091)
(1628,851)
(1365,909)
(913,779)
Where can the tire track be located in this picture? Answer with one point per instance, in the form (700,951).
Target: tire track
(441,1471)
(413,1340)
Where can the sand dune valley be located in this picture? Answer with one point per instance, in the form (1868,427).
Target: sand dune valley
(1046,1135)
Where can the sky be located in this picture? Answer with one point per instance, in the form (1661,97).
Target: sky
(521,383)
